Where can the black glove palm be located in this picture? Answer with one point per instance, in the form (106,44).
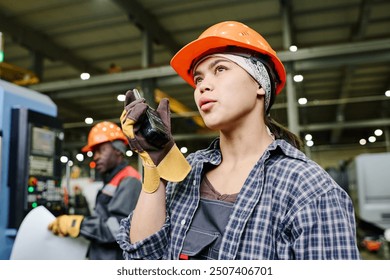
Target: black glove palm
(166,162)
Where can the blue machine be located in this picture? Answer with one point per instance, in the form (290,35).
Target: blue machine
(30,146)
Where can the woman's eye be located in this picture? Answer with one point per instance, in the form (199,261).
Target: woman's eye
(220,68)
(197,80)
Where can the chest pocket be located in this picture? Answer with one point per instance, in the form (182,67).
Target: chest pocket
(204,236)
(104,195)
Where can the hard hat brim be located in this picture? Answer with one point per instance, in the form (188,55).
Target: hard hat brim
(193,51)
(86,148)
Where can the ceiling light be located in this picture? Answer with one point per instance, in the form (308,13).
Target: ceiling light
(80,157)
(308,137)
(85,76)
(372,139)
(362,142)
(293,48)
(298,78)
(309,143)
(88,120)
(378,132)
(387,93)
(302,101)
(64,159)
(121,97)
(129,153)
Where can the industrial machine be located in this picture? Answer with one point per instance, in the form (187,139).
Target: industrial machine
(31,137)
(369,185)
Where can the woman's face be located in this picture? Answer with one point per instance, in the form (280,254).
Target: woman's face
(225,93)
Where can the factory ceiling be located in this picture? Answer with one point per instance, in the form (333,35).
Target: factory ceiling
(343,55)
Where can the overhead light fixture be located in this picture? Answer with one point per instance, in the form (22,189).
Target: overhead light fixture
(372,139)
(88,120)
(298,78)
(293,48)
(64,159)
(362,142)
(129,153)
(308,137)
(302,101)
(121,97)
(378,132)
(80,157)
(85,76)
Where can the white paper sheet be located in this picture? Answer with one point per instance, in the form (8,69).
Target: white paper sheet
(35,242)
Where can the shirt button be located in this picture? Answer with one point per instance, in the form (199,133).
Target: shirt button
(194,182)
(183,222)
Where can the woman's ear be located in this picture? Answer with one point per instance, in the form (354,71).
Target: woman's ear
(260,91)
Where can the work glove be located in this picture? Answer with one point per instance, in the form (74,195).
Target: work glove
(65,225)
(166,162)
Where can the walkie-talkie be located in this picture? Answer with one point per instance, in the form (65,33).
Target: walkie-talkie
(152,127)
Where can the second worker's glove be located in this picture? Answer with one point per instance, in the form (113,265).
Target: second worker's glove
(166,162)
(65,225)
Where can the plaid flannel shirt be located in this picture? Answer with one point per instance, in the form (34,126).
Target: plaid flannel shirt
(288,208)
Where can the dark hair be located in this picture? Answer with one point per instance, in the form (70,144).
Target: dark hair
(281,132)
(278,130)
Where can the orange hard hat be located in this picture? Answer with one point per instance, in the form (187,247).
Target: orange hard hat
(104,132)
(221,35)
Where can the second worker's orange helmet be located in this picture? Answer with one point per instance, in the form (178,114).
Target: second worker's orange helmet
(104,132)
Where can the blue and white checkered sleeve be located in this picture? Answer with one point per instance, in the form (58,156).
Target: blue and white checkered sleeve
(325,228)
(150,248)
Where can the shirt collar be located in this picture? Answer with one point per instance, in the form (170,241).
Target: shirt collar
(281,146)
(108,176)
(213,153)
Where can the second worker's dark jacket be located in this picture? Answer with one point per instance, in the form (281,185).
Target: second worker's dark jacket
(114,201)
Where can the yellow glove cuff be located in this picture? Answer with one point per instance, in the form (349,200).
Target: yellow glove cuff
(74,228)
(174,166)
(151,179)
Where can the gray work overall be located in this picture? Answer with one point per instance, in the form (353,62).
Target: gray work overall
(204,236)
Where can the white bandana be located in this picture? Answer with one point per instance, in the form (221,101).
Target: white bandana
(254,68)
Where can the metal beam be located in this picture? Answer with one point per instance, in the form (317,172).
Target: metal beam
(292,109)
(356,48)
(361,123)
(128,76)
(357,34)
(330,102)
(334,62)
(177,137)
(38,42)
(92,91)
(148,22)
(359,30)
(300,58)
(344,93)
(345,147)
